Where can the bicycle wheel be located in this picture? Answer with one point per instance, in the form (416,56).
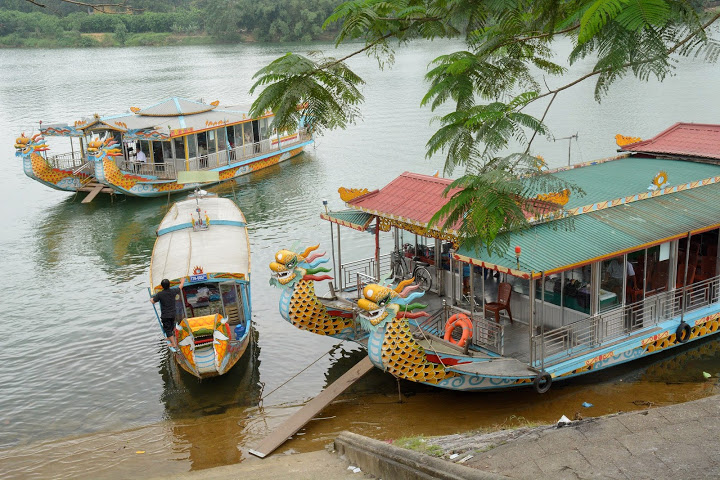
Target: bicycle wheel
(399,270)
(423,278)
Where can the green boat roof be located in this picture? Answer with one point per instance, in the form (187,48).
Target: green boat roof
(608,180)
(617,215)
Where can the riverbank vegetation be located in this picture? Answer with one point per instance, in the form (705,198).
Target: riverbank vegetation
(163,22)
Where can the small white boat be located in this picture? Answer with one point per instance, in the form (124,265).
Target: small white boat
(204,240)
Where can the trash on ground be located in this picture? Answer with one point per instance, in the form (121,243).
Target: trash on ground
(465,459)
(140,451)
(706,375)
(587,405)
(454,456)
(563,421)
(356,470)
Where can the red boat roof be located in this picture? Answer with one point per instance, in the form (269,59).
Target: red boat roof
(684,140)
(411,197)
(414,198)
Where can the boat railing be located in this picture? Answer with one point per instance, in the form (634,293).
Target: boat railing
(66,161)
(363,280)
(365,266)
(163,171)
(579,337)
(487,334)
(210,161)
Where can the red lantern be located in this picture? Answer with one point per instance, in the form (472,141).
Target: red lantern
(517,250)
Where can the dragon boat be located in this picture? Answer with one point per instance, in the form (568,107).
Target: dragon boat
(143,152)
(628,270)
(204,240)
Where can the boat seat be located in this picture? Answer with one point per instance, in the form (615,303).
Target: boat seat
(503,302)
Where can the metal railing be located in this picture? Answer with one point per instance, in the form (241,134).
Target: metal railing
(581,336)
(65,161)
(365,266)
(363,280)
(163,171)
(486,333)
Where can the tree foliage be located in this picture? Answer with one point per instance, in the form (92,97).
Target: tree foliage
(506,66)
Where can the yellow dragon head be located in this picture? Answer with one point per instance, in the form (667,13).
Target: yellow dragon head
(290,267)
(100,148)
(381,304)
(24,146)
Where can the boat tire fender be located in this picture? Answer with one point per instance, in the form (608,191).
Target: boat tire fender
(682,334)
(542,382)
(458,320)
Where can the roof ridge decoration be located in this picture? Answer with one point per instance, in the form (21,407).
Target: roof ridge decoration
(594,207)
(347,194)
(622,140)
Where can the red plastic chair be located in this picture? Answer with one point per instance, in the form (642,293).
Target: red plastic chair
(503,302)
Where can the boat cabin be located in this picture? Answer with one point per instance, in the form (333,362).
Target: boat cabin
(172,136)
(627,269)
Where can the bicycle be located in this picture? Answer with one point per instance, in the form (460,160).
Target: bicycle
(420,272)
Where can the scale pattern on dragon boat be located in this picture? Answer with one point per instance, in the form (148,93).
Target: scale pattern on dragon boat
(296,275)
(391,346)
(107,172)
(36,167)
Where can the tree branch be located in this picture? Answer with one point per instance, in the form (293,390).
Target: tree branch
(541,121)
(629,64)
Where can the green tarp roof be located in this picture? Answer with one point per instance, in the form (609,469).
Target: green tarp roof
(354,219)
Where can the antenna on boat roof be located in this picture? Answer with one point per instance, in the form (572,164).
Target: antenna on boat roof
(569,139)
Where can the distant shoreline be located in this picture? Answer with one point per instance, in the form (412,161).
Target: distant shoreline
(108,40)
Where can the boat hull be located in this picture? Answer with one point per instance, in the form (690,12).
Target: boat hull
(37,168)
(205,362)
(108,173)
(661,338)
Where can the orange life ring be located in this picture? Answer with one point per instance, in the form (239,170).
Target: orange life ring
(458,320)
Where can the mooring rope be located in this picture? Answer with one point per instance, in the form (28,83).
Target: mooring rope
(301,371)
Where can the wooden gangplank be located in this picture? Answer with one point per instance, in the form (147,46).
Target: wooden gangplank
(312,408)
(93,193)
(94,188)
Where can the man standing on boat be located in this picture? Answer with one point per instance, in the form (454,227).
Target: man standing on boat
(167,298)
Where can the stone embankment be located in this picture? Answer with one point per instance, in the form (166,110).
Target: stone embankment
(676,442)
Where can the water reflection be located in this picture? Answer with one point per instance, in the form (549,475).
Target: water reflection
(209,417)
(119,232)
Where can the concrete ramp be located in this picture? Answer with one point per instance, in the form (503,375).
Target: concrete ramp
(312,408)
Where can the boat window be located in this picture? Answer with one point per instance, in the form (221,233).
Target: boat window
(144,145)
(264,130)
(575,289)
(212,141)
(179,146)
(202,142)
(657,275)
(612,273)
(232,304)
(192,146)
(701,259)
(230,133)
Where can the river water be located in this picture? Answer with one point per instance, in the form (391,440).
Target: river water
(85,381)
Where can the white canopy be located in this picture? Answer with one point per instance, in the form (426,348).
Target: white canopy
(223,248)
